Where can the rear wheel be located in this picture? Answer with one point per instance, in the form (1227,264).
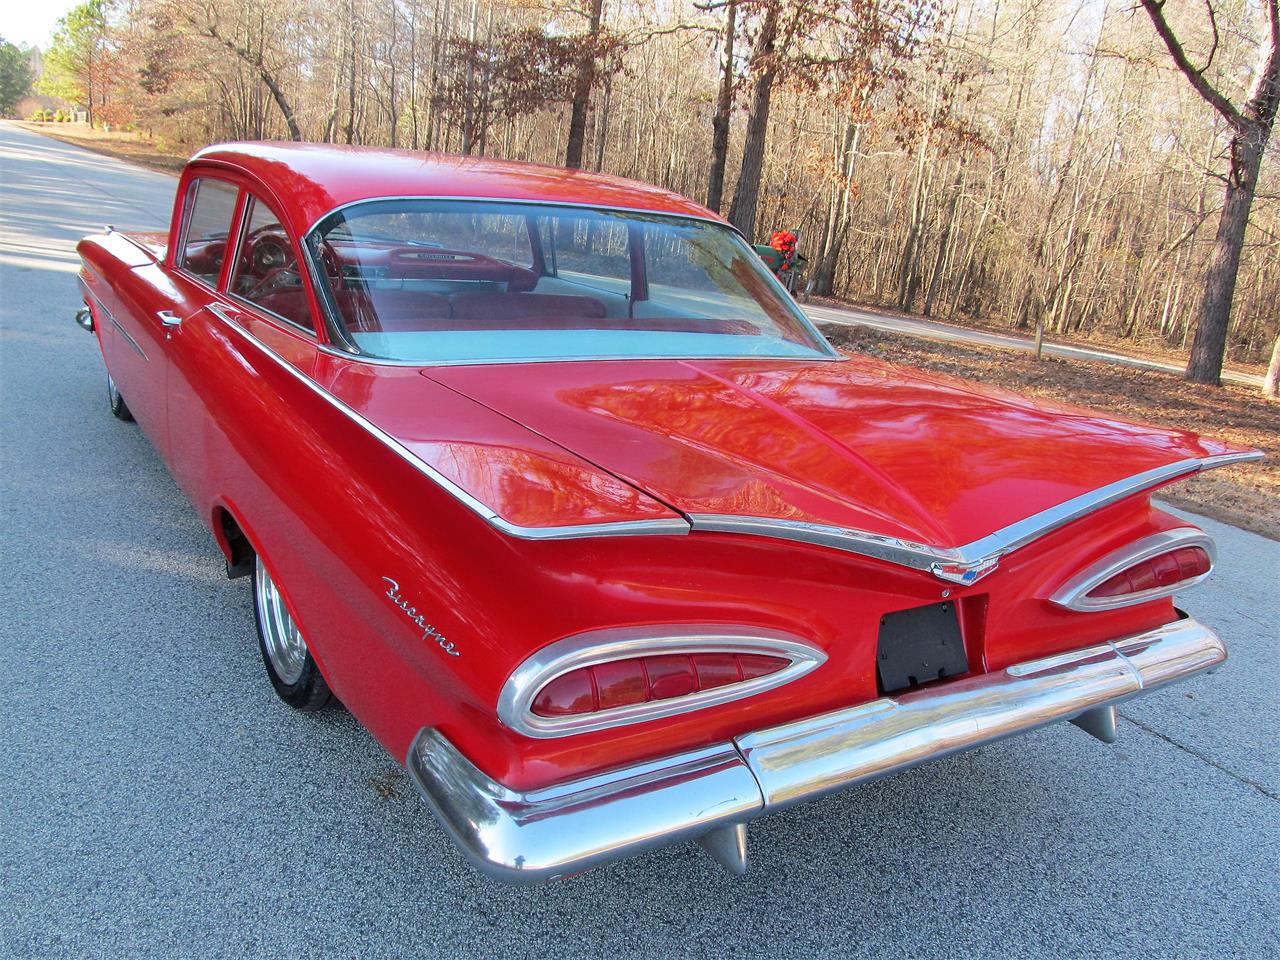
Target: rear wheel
(289,663)
(119,409)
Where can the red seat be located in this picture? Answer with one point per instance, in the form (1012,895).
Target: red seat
(375,310)
(290,303)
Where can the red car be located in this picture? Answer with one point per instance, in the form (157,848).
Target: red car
(545,476)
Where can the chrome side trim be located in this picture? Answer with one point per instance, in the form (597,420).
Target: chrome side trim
(625,528)
(430,364)
(968,563)
(525,837)
(797,761)
(1074,593)
(533,203)
(1019,534)
(567,828)
(906,553)
(111,317)
(1227,459)
(515,703)
(127,338)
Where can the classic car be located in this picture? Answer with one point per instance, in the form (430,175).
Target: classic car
(545,477)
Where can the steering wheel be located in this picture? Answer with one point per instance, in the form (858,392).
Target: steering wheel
(277,279)
(266,249)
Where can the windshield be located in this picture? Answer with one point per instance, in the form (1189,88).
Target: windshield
(438,281)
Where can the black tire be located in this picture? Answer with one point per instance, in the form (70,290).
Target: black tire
(294,674)
(119,409)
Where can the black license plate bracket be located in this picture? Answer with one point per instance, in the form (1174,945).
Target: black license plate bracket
(919,645)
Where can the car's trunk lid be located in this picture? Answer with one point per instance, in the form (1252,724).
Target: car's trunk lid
(858,443)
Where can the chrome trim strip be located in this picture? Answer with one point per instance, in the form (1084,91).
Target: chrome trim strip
(84,287)
(1227,459)
(1074,593)
(125,333)
(515,703)
(567,828)
(906,553)
(624,528)
(529,836)
(968,563)
(1019,534)
(430,364)
(516,200)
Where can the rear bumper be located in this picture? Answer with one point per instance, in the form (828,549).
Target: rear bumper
(710,792)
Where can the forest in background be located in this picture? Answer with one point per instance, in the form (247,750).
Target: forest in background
(1037,163)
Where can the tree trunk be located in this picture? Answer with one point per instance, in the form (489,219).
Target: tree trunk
(256,62)
(582,93)
(1210,342)
(351,72)
(469,83)
(724,113)
(602,124)
(824,275)
(939,263)
(746,196)
(1271,385)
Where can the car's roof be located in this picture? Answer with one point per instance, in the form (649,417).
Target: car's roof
(315,178)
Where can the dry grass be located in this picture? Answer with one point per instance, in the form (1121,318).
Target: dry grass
(123,146)
(1247,495)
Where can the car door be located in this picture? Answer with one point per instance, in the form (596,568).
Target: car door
(261,291)
(128,330)
(161,296)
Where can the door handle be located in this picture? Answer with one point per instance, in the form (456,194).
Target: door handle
(169,318)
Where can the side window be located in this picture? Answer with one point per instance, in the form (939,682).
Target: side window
(594,247)
(204,247)
(266,272)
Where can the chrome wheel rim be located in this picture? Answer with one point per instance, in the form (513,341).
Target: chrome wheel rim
(112,393)
(286,649)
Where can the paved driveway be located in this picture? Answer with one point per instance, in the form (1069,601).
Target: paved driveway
(158,801)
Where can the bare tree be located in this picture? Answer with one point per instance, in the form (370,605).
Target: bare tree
(1250,126)
(1015,162)
(1271,384)
(246,41)
(724,111)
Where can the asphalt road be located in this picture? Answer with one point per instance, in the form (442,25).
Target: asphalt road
(158,801)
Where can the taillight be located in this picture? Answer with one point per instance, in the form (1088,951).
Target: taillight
(1154,567)
(614,677)
(621,683)
(1166,570)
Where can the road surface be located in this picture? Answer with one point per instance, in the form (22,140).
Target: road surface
(935,330)
(159,801)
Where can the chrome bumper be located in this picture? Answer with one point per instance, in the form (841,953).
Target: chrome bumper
(709,794)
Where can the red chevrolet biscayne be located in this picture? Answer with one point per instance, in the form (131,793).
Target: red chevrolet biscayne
(546,477)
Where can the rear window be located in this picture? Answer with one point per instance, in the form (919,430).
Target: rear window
(445,281)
